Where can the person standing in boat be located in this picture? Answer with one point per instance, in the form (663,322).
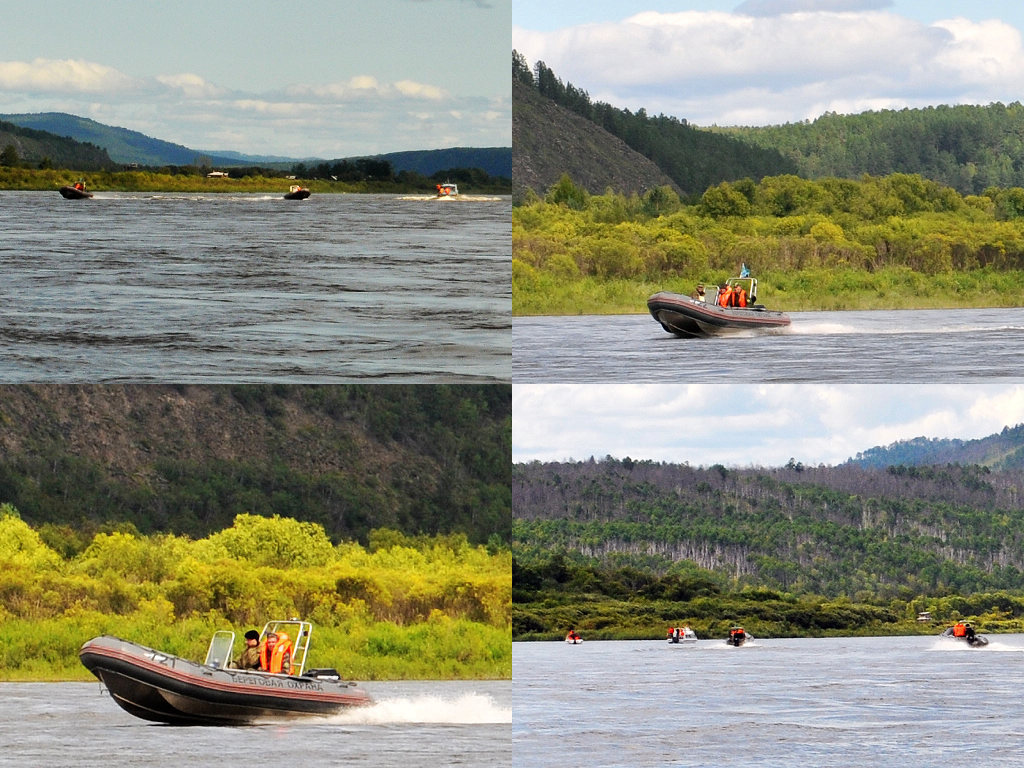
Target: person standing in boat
(700,295)
(725,296)
(250,657)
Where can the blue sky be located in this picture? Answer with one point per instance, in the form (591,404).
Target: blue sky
(324,78)
(759,62)
(749,425)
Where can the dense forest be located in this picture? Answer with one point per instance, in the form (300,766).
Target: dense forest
(75,460)
(624,547)
(694,159)
(398,607)
(835,531)
(27,146)
(969,148)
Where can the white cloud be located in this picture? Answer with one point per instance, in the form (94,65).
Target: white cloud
(192,86)
(357,116)
(762,425)
(790,61)
(63,75)
(419,90)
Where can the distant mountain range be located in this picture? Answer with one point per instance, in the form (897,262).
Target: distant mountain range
(1002,451)
(125,147)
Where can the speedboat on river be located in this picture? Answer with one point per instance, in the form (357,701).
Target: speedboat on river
(728,309)
(738,636)
(681,635)
(296,192)
(963,632)
(76,192)
(164,688)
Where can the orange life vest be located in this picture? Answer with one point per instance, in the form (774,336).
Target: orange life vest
(959,630)
(740,297)
(272,656)
(725,297)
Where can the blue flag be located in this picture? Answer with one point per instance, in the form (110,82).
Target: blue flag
(744,272)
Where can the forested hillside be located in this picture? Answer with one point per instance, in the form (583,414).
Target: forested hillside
(123,145)
(835,531)
(551,141)
(187,460)
(969,148)
(1002,451)
(693,159)
(39,149)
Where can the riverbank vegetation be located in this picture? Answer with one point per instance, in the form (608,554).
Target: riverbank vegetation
(249,180)
(401,607)
(890,242)
(564,591)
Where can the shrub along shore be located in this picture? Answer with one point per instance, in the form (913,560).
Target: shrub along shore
(893,242)
(400,608)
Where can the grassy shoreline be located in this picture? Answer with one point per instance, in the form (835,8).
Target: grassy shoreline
(31,180)
(539,293)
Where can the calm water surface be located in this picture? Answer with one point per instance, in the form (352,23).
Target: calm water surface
(215,288)
(914,702)
(425,724)
(904,346)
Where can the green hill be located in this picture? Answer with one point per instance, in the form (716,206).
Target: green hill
(187,460)
(691,158)
(123,146)
(969,148)
(1004,451)
(39,148)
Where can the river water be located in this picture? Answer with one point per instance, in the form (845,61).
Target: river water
(863,346)
(426,724)
(917,702)
(190,288)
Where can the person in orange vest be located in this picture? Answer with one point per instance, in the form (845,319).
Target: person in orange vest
(739,296)
(959,629)
(276,654)
(725,296)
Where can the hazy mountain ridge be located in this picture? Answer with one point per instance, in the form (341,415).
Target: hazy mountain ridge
(127,147)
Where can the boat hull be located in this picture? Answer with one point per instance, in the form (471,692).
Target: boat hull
(302,194)
(70,193)
(688,318)
(163,688)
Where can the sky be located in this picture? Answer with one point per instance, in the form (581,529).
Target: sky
(748,425)
(317,78)
(767,62)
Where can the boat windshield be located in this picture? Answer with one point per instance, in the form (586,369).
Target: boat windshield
(221,646)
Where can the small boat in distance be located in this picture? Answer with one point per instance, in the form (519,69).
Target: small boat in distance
(573,638)
(168,689)
(77,191)
(682,635)
(963,632)
(296,192)
(730,308)
(738,636)
(447,191)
